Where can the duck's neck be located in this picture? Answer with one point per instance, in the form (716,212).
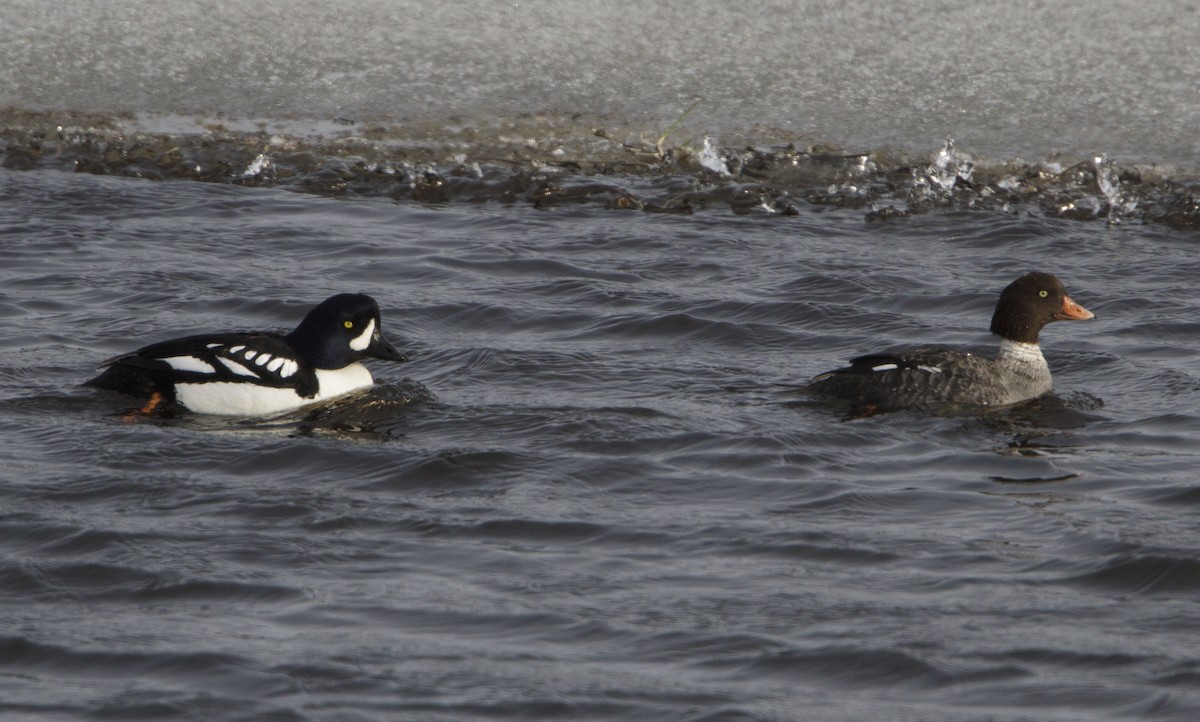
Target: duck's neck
(1021,355)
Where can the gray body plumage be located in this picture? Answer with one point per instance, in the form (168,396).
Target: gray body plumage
(932,378)
(937,378)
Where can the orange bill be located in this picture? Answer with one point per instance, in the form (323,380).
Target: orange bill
(1072,311)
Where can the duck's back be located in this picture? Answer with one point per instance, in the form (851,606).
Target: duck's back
(926,379)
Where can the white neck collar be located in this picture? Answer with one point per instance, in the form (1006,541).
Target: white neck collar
(1020,352)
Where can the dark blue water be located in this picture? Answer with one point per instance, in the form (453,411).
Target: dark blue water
(594,492)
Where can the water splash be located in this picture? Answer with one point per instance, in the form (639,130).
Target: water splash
(259,169)
(709,157)
(1081,209)
(1113,202)
(949,169)
(1108,179)
(952,166)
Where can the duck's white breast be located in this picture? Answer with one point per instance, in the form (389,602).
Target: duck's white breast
(337,382)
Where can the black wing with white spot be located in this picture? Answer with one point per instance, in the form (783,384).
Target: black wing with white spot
(928,361)
(913,379)
(263,359)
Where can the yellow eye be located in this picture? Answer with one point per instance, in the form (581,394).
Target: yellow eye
(1043,294)
(350,324)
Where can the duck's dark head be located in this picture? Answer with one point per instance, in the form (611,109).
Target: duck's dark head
(340,330)
(1029,303)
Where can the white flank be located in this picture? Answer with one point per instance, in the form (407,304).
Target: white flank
(236,398)
(231,398)
(190,363)
(236,367)
(362,340)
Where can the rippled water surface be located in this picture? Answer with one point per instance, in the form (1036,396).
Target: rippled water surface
(594,492)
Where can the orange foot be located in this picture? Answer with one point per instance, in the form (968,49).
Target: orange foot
(155,399)
(154,402)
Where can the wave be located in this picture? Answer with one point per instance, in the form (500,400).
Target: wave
(548,161)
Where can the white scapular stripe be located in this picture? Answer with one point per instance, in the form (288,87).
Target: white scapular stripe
(236,367)
(885,367)
(190,363)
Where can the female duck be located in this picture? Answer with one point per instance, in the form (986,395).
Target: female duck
(934,378)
